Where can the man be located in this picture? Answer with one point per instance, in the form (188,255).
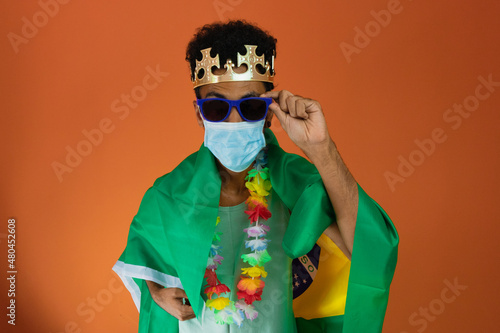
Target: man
(211,247)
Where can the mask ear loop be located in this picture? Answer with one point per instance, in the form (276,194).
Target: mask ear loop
(198,108)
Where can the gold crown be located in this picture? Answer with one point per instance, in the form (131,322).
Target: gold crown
(250,59)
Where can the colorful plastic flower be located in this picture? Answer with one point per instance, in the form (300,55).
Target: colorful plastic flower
(257,212)
(255,271)
(216,237)
(211,277)
(217,289)
(249,299)
(214,261)
(257,231)
(259,185)
(258,244)
(218,259)
(257,258)
(214,248)
(248,309)
(254,199)
(250,285)
(264,173)
(237,315)
(223,317)
(219,303)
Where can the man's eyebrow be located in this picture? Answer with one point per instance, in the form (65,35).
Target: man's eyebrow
(251,94)
(219,95)
(215,94)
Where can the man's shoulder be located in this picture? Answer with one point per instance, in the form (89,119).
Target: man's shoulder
(180,173)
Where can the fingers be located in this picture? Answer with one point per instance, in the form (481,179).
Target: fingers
(284,100)
(185,313)
(181,311)
(274,94)
(297,107)
(294,105)
(172,301)
(278,112)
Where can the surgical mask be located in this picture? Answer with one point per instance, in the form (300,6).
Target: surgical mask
(235,144)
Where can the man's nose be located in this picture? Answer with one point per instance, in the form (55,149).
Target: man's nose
(234,116)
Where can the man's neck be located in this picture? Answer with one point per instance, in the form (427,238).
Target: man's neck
(233,189)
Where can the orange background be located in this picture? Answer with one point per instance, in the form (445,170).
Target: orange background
(392,91)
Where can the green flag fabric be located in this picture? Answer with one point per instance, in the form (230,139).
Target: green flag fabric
(170,238)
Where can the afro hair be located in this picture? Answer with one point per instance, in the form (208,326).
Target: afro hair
(228,39)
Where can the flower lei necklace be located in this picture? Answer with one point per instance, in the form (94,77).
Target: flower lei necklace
(250,285)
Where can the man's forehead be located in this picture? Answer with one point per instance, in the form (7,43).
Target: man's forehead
(233,90)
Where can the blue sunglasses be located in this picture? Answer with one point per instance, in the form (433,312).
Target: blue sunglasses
(250,109)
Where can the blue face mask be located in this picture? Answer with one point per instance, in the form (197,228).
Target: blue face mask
(235,144)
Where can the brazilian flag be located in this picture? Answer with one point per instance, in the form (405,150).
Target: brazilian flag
(331,293)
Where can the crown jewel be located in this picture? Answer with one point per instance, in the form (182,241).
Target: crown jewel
(250,59)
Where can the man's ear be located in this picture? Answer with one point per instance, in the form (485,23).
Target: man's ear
(197,111)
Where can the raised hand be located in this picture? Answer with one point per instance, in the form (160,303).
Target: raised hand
(302,119)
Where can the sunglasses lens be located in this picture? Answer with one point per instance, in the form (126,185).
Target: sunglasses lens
(253,109)
(215,110)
